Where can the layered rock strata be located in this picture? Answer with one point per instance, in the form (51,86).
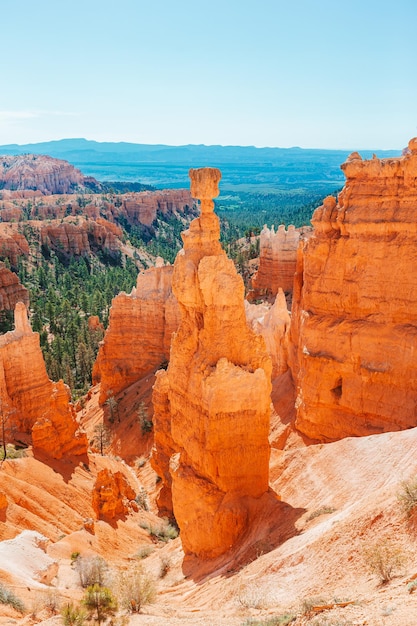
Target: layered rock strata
(43,173)
(138,338)
(11,290)
(277,260)
(212,405)
(356,310)
(31,403)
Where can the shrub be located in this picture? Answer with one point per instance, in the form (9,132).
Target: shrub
(135,589)
(383,559)
(91,570)
(408,496)
(8,597)
(279,620)
(99,602)
(163,532)
(166,565)
(73,615)
(321,511)
(144,552)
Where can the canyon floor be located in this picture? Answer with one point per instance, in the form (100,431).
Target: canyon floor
(330,508)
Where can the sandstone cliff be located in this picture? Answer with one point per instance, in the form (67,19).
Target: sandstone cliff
(12,243)
(356,310)
(11,290)
(277,260)
(81,238)
(211,409)
(43,173)
(138,338)
(32,403)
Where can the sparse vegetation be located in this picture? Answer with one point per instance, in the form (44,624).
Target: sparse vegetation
(162,532)
(91,570)
(166,565)
(142,499)
(144,552)
(408,496)
(384,559)
(308,604)
(8,597)
(412,586)
(324,510)
(278,620)
(99,602)
(73,615)
(135,589)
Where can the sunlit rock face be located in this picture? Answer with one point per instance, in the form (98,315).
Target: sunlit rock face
(34,171)
(277,260)
(11,290)
(30,402)
(355,310)
(138,337)
(212,405)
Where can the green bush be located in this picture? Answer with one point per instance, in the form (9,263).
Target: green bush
(8,597)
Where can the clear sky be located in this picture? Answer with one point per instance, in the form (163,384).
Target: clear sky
(309,73)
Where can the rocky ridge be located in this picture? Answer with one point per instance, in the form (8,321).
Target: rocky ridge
(38,172)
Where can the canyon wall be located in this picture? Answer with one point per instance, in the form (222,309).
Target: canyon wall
(11,290)
(138,338)
(43,173)
(355,310)
(212,404)
(31,403)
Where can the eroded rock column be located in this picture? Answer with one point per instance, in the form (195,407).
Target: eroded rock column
(212,404)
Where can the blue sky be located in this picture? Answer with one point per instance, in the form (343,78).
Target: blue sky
(311,73)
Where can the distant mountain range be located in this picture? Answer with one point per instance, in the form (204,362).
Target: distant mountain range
(167,166)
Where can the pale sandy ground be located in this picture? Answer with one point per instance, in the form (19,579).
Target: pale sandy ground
(292,559)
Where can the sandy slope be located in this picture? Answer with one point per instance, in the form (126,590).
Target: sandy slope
(282,560)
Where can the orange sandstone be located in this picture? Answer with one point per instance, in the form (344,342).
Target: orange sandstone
(212,405)
(138,337)
(355,312)
(35,404)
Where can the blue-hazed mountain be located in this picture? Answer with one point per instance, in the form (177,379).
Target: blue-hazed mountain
(243,167)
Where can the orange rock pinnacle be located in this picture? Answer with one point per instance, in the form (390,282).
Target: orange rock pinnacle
(212,404)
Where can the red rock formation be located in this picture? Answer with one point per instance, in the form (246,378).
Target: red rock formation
(80,238)
(273,323)
(277,262)
(142,207)
(215,394)
(34,403)
(138,338)
(111,495)
(357,337)
(12,243)
(43,173)
(11,290)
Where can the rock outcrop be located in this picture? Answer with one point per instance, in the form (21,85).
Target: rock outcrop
(138,338)
(273,323)
(82,237)
(12,244)
(143,207)
(39,172)
(111,495)
(356,310)
(277,260)
(31,402)
(11,290)
(212,404)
